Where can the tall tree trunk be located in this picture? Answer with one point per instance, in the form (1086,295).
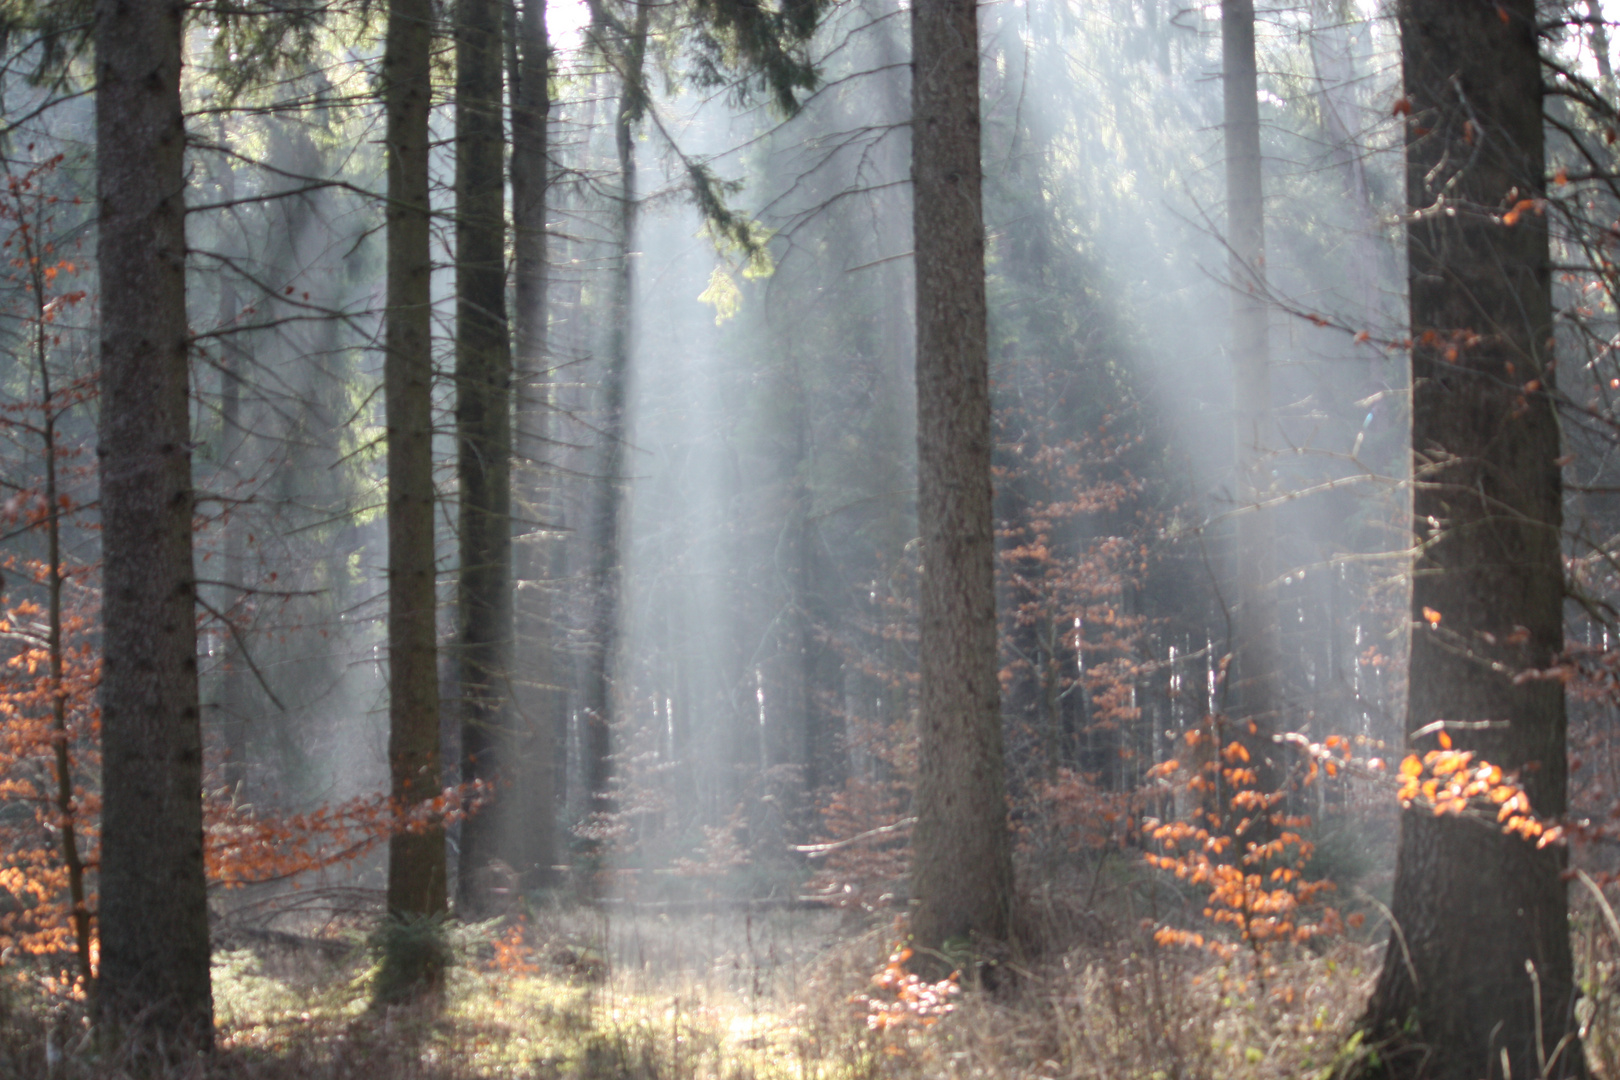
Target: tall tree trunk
(232,707)
(961,878)
(1482,925)
(154,903)
(1254,676)
(416,872)
(1333,59)
(484,436)
(540,702)
(597,689)
(787,675)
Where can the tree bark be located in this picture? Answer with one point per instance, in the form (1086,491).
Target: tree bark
(961,876)
(154,906)
(1474,909)
(1253,679)
(416,872)
(484,437)
(597,690)
(540,701)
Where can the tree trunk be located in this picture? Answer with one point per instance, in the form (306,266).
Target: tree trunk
(788,674)
(1253,686)
(484,437)
(1598,34)
(1333,45)
(233,705)
(540,701)
(1482,923)
(597,689)
(416,874)
(961,877)
(154,905)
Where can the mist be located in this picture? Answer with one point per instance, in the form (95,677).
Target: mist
(678,747)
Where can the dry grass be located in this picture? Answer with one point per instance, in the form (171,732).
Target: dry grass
(769,996)
(737,997)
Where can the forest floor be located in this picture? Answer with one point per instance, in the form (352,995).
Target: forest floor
(779,995)
(576,994)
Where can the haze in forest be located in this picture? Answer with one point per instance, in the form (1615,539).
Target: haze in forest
(572,421)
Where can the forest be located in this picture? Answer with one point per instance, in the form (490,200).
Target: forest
(809,539)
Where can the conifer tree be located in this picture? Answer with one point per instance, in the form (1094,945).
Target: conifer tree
(154,980)
(961,876)
(1478,969)
(484,446)
(416,865)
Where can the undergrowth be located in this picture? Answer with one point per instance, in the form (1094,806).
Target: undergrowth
(577,995)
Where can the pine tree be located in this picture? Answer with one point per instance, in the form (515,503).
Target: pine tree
(539,702)
(961,877)
(1481,934)
(484,452)
(416,867)
(154,904)
(1254,679)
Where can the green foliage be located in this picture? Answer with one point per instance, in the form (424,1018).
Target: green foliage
(1347,848)
(749,46)
(254,41)
(735,235)
(414,956)
(48,35)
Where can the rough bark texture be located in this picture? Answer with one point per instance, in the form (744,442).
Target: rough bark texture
(484,451)
(540,702)
(1475,908)
(1253,686)
(416,874)
(154,908)
(961,862)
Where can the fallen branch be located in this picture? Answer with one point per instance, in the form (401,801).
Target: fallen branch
(816,851)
